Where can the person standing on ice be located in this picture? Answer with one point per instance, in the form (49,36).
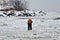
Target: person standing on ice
(29,24)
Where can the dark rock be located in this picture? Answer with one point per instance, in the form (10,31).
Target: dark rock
(34,34)
(57,18)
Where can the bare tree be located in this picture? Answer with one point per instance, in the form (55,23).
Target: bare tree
(16,4)
(19,4)
(3,3)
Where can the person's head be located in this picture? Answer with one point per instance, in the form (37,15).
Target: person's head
(29,18)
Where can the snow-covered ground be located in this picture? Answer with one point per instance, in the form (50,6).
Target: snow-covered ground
(15,28)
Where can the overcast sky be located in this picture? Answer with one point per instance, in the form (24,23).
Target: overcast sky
(45,5)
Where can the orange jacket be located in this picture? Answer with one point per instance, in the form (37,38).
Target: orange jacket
(29,21)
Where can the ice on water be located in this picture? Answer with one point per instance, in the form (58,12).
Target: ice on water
(15,28)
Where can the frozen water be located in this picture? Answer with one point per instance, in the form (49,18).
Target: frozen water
(15,28)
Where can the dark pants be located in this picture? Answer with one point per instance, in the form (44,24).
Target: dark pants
(29,26)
